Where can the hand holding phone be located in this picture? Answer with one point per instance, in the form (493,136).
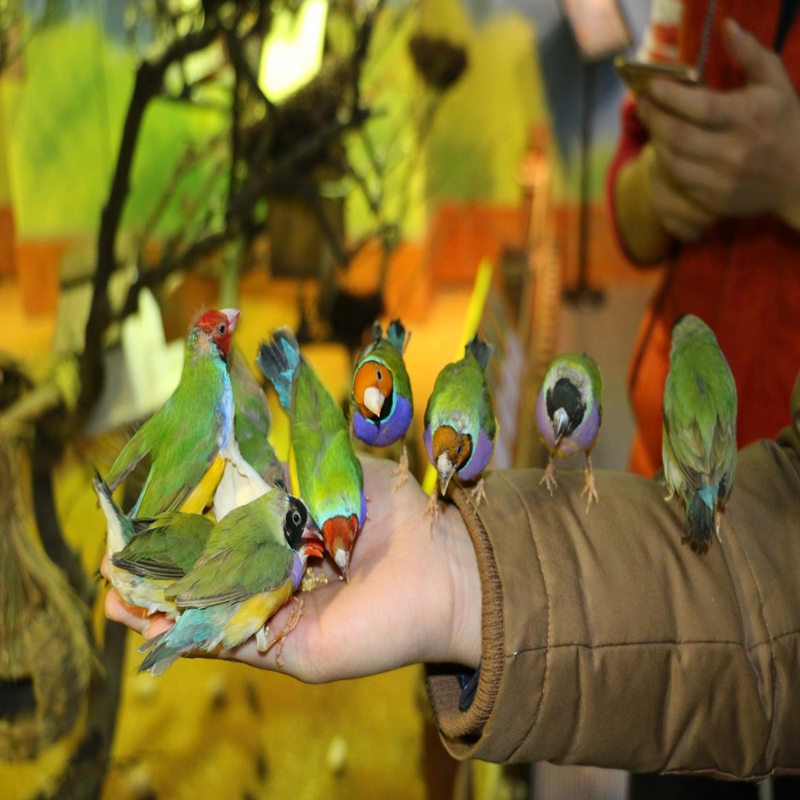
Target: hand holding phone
(638,75)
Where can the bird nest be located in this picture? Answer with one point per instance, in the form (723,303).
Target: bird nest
(45,654)
(438,61)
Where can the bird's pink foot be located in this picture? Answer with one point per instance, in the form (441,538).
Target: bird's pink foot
(433,509)
(478,494)
(291,624)
(402,469)
(590,488)
(549,476)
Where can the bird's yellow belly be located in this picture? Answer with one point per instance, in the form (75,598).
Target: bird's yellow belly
(252,614)
(203,493)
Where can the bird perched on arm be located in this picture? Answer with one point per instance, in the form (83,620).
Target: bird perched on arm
(460,425)
(699,433)
(251,566)
(148,555)
(252,420)
(185,436)
(381,392)
(328,471)
(569,412)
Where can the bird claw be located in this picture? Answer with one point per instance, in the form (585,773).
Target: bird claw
(433,509)
(291,624)
(478,494)
(590,489)
(549,477)
(402,470)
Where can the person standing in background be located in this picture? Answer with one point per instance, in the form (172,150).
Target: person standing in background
(707,179)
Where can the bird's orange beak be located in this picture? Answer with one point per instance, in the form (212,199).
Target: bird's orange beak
(339,534)
(312,544)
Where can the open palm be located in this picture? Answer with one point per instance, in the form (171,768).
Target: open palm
(411,597)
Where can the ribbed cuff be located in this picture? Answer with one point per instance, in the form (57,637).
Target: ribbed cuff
(444,689)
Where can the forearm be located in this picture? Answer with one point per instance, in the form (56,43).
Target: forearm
(606,642)
(645,240)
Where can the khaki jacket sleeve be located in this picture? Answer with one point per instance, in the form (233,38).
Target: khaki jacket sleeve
(608,642)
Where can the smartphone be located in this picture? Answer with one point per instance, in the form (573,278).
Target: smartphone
(638,74)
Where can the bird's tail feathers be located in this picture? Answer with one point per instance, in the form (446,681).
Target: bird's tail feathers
(278,361)
(167,647)
(481,350)
(120,529)
(699,523)
(397,336)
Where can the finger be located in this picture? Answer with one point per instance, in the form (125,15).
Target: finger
(696,104)
(118,610)
(695,181)
(680,136)
(759,64)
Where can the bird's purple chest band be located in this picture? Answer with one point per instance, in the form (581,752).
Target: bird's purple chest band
(583,436)
(479,460)
(389,431)
(298,568)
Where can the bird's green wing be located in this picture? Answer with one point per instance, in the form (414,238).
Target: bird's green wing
(700,412)
(233,574)
(185,436)
(165,547)
(461,398)
(329,471)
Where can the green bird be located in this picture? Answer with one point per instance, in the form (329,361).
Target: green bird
(460,425)
(185,437)
(328,471)
(252,421)
(251,566)
(148,555)
(699,432)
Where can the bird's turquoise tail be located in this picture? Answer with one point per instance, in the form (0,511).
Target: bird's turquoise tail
(190,631)
(699,523)
(278,361)
(481,350)
(396,335)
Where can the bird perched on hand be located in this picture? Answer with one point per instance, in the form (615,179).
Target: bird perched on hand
(569,412)
(185,436)
(251,566)
(329,473)
(252,420)
(460,426)
(148,555)
(381,393)
(699,433)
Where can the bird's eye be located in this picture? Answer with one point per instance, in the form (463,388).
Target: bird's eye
(221,329)
(379,375)
(296,518)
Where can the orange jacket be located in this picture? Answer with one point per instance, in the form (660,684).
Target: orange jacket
(742,278)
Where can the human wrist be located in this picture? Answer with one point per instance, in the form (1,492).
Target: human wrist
(643,235)
(464,646)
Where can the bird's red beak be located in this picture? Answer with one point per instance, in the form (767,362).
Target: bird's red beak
(312,544)
(339,534)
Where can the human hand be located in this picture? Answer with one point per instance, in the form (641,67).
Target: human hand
(730,153)
(679,214)
(411,597)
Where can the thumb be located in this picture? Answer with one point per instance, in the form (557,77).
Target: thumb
(759,64)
